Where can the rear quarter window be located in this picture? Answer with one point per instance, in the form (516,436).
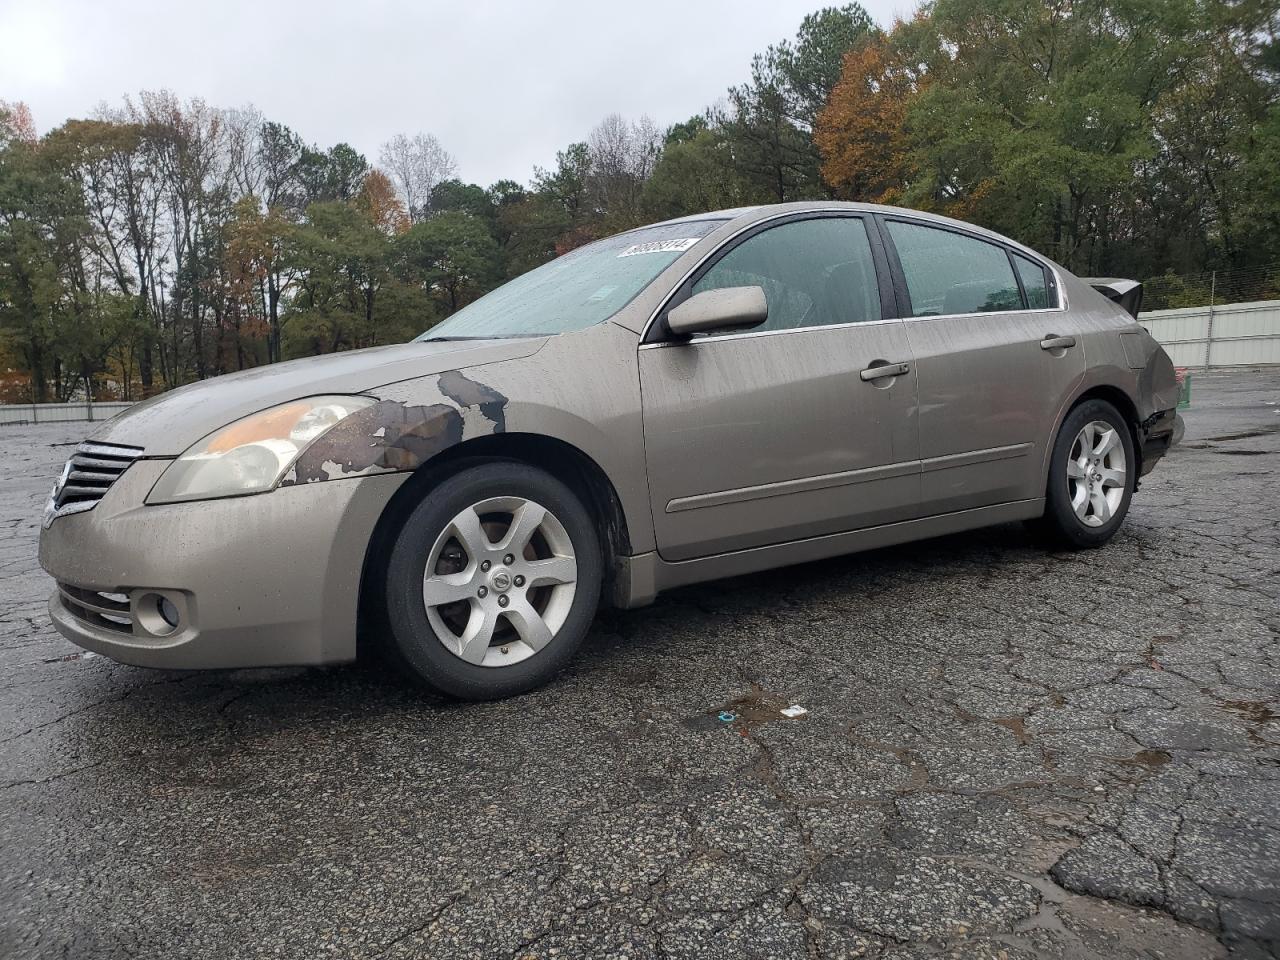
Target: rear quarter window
(950,273)
(1035,283)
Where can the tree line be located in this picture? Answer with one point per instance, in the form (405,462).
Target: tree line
(161,241)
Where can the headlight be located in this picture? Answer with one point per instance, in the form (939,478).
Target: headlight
(252,454)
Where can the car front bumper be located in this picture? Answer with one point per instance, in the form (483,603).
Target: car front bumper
(265,580)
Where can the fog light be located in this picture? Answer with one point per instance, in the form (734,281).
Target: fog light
(168,612)
(157,615)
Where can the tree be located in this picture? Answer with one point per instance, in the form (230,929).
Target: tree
(529,230)
(769,118)
(51,302)
(331,175)
(861,133)
(16,123)
(810,66)
(452,256)
(121,201)
(378,200)
(416,165)
(776,156)
(696,175)
(567,183)
(343,263)
(468,198)
(623,154)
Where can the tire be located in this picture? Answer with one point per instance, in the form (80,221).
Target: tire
(479,583)
(1085,507)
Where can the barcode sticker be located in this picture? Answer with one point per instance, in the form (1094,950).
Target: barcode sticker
(659,246)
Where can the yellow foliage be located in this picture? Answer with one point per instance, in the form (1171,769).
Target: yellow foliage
(860,133)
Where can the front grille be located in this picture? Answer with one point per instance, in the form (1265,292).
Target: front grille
(111,611)
(88,475)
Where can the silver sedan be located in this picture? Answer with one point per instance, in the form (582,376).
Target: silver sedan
(700,398)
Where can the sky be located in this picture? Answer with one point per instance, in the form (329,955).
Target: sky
(503,86)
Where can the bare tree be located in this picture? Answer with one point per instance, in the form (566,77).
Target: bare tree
(623,155)
(243,133)
(416,165)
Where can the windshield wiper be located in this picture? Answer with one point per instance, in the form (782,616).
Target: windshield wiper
(492,336)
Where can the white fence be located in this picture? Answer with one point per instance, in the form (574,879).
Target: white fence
(1230,335)
(11,413)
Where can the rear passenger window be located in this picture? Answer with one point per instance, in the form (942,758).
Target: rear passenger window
(814,273)
(1033,282)
(950,273)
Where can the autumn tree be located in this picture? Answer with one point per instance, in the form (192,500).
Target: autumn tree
(16,123)
(378,200)
(861,133)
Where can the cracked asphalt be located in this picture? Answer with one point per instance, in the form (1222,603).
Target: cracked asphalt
(1008,753)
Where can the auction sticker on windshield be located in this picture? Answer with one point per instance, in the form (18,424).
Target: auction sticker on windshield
(659,246)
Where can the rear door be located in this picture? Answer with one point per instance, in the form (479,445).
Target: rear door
(773,434)
(996,358)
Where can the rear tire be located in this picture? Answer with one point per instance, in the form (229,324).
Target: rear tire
(493,581)
(1092,471)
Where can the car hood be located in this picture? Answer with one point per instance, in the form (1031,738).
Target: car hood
(168,424)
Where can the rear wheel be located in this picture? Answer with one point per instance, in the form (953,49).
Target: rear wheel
(1091,476)
(493,581)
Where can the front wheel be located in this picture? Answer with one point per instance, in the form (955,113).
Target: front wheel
(493,581)
(1091,476)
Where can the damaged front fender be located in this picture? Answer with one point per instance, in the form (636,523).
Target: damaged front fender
(392,436)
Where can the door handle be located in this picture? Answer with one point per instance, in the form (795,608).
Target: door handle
(1057,343)
(884,370)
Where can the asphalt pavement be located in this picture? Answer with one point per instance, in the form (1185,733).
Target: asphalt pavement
(1007,753)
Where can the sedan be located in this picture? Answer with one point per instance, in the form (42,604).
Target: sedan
(702,398)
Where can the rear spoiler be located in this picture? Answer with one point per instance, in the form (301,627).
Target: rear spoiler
(1127,293)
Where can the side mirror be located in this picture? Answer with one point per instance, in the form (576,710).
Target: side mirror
(730,308)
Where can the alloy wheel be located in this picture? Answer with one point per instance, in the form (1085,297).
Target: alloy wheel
(1097,477)
(499,581)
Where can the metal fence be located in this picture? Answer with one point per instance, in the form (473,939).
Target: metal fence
(1178,291)
(14,413)
(1226,335)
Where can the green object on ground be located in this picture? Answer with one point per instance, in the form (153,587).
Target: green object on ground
(1184,389)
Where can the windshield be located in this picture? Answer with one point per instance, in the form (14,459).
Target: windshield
(578,290)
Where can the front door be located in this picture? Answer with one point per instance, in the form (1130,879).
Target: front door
(995,363)
(773,435)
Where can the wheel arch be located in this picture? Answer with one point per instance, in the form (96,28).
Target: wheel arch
(1118,398)
(564,461)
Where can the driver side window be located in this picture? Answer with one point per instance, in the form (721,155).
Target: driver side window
(814,272)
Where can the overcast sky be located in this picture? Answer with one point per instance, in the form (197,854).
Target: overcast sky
(502,85)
